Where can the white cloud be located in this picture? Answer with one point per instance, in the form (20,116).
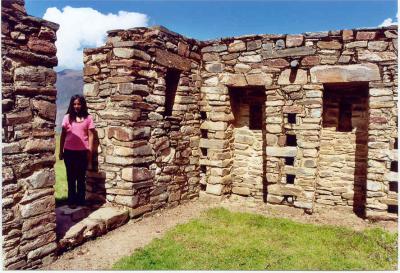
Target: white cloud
(390,21)
(86,27)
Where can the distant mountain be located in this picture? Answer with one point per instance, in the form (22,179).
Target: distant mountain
(69,83)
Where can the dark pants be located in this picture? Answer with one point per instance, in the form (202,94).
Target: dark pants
(76,165)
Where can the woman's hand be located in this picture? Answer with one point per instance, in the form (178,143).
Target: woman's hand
(89,160)
(61,156)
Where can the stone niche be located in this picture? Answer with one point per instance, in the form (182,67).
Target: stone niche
(343,154)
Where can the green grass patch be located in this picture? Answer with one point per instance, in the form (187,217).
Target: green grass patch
(223,240)
(61,187)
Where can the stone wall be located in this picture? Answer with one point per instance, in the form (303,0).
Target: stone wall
(142,89)
(344,152)
(294,72)
(246,120)
(29,112)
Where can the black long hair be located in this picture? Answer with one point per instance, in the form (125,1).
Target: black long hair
(83,113)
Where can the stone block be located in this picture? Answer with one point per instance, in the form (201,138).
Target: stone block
(214,48)
(259,79)
(132,115)
(294,40)
(241,191)
(172,60)
(392,176)
(377,45)
(250,59)
(45,109)
(367,55)
(244,139)
(237,46)
(122,134)
(40,145)
(213,143)
(344,73)
(356,44)
(19,117)
(234,80)
(365,35)
(113,217)
(329,45)
(374,186)
(215,189)
(311,60)
(37,207)
(284,189)
(42,251)
(91,89)
(253,45)
(41,46)
(288,52)
(289,76)
(281,151)
(90,70)
(143,150)
(279,63)
(214,125)
(134,174)
(347,35)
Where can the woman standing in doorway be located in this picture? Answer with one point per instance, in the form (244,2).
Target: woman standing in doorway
(76,147)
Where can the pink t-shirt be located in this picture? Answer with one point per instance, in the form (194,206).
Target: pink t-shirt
(77,137)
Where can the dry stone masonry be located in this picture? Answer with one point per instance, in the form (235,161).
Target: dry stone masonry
(304,120)
(29,112)
(307,120)
(142,89)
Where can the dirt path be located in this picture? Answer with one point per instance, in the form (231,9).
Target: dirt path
(102,253)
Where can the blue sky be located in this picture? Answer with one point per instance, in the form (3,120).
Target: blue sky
(212,19)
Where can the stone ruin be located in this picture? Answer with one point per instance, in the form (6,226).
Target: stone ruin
(305,120)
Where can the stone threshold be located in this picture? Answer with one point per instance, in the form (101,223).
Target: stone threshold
(78,225)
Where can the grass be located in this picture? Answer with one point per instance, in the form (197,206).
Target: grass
(61,187)
(223,240)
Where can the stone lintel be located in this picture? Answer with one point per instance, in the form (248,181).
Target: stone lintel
(345,73)
(282,151)
(172,60)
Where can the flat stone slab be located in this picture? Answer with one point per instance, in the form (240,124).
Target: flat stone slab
(75,226)
(345,73)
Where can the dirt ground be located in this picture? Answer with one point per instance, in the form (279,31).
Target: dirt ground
(103,252)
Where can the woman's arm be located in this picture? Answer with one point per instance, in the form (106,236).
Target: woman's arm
(90,153)
(62,141)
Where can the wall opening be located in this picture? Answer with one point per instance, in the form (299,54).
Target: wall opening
(289,161)
(171,84)
(394,166)
(255,117)
(290,178)
(291,140)
(344,135)
(203,177)
(291,118)
(345,113)
(393,186)
(248,108)
(393,209)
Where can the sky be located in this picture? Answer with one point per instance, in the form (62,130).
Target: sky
(84,23)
